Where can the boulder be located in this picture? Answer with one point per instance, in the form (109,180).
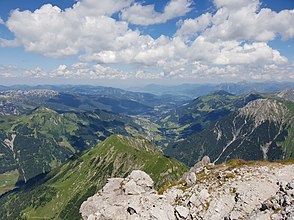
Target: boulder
(190,178)
(129,198)
(182,212)
(199,165)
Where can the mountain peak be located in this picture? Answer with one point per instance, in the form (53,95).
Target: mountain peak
(221,93)
(265,110)
(287,94)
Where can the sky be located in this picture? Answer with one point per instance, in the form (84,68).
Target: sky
(138,42)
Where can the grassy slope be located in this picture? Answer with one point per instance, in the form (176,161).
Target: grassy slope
(61,196)
(46,138)
(8,180)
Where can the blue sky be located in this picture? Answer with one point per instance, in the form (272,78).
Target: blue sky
(128,41)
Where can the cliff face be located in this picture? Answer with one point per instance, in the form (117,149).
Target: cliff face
(238,190)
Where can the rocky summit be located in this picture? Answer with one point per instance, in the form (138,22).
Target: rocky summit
(129,198)
(235,190)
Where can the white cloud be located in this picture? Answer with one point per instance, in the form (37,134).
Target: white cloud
(241,20)
(87,26)
(248,22)
(233,52)
(232,4)
(146,15)
(86,71)
(9,43)
(78,71)
(145,51)
(175,70)
(232,42)
(1,21)
(191,27)
(95,8)
(141,74)
(10,71)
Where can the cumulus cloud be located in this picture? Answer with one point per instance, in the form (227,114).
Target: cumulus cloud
(10,71)
(191,27)
(78,71)
(231,42)
(9,43)
(232,4)
(173,70)
(145,50)
(248,24)
(146,15)
(234,52)
(241,20)
(56,33)
(87,27)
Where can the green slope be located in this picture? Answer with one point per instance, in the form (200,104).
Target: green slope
(39,141)
(60,196)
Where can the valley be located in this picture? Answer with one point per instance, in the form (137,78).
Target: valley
(56,140)
(146,110)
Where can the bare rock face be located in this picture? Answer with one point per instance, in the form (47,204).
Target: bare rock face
(129,198)
(287,94)
(254,192)
(247,192)
(262,110)
(279,206)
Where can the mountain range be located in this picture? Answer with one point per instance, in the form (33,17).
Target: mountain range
(60,144)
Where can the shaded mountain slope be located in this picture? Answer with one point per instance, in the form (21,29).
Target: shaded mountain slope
(262,130)
(60,196)
(197,115)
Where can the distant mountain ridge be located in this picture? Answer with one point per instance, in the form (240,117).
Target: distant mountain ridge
(191,91)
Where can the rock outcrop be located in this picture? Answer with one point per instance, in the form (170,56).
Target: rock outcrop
(262,110)
(129,198)
(239,190)
(287,94)
(190,176)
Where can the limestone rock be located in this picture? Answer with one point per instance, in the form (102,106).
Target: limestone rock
(129,198)
(190,178)
(199,166)
(182,212)
(251,192)
(203,195)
